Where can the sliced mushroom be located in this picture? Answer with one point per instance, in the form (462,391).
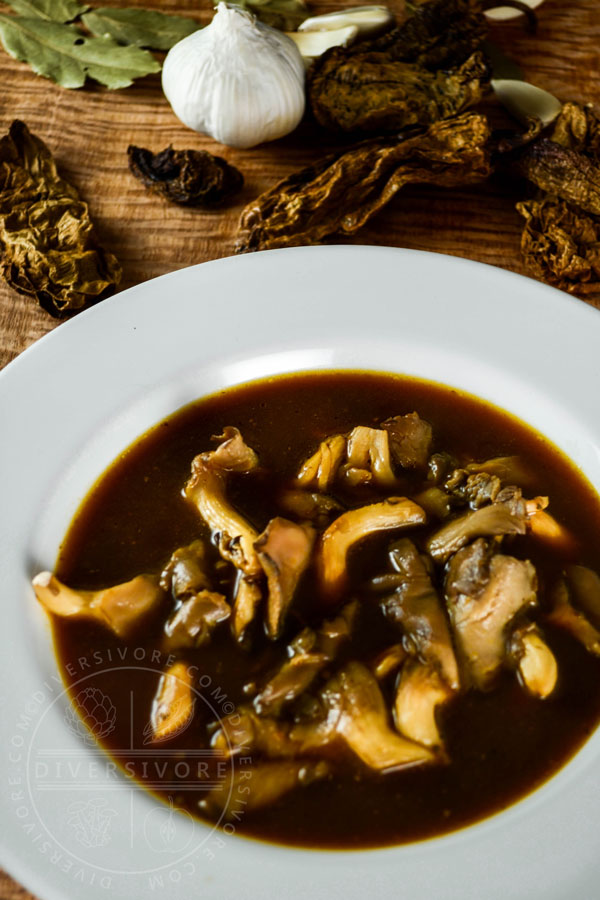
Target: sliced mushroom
(535,662)
(254,787)
(485,591)
(187,571)
(544,526)
(388,661)
(319,471)
(121,607)
(585,587)
(284,550)
(232,454)
(306,505)
(509,469)
(192,624)
(308,654)
(245,731)
(416,608)
(173,705)
(234,536)
(434,501)
(410,440)
(356,524)
(292,679)
(565,616)
(246,601)
(357,712)
(476,489)
(508,515)
(368,458)
(419,693)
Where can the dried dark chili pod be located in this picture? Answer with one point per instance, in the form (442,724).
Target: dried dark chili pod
(341,193)
(370,95)
(561,244)
(561,236)
(187,177)
(48,247)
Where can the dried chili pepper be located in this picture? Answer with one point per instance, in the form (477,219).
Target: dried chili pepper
(48,248)
(187,177)
(340,194)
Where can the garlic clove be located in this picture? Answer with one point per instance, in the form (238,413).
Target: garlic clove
(368,19)
(237,80)
(313,43)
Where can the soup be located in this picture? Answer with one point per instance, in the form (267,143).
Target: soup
(370,606)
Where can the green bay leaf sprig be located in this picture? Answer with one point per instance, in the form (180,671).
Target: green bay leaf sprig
(67,56)
(49,10)
(139,27)
(67,41)
(62,41)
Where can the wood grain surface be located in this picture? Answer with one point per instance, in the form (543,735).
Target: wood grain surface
(89,131)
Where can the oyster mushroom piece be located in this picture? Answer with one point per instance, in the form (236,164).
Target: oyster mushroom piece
(585,587)
(254,787)
(311,506)
(193,623)
(419,692)
(187,571)
(544,526)
(565,616)
(308,654)
(234,536)
(507,515)
(284,550)
(121,607)
(484,593)
(536,664)
(368,458)
(389,660)
(173,705)
(356,524)
(357,711)
(410,440)
(509,469)
(245,731)
(247,597)
(319,471)
(416,608)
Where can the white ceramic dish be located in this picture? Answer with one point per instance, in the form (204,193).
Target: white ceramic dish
(69,404)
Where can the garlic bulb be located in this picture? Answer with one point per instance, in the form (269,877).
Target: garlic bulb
(237,80)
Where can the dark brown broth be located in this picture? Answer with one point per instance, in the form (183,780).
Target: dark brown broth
(501,745)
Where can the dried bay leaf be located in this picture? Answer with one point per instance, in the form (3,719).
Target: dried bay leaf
(50,10)
(187,177)
(65,55)
(283,14)
(48,248)
(140,27)
(340,194)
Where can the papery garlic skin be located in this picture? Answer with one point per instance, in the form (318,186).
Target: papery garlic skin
(237,80)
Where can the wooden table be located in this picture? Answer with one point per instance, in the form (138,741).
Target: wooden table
(89,131)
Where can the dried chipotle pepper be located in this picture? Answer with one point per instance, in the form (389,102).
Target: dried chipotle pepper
(428,68)
(48,247)
(561,236)
(340,194)
(187,177)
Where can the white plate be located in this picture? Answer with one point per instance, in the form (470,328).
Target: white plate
(69,404)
